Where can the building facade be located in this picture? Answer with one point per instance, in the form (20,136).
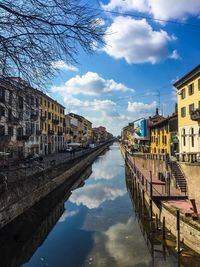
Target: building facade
(188,88)
(52,124)
(19,118)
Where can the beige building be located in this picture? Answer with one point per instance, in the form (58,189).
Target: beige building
(188,89)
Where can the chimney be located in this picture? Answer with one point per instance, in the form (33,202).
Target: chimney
(157,111)
(176,108)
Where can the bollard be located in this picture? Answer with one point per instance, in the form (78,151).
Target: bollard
(163,229)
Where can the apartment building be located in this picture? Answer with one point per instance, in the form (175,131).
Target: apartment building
(19,118)
(52,124)
(188,89)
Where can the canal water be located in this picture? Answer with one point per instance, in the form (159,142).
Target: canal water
(97,224)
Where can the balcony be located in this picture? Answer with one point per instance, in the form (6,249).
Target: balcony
(13,120)
(50,132)
(38,132)
(2,99)
(55,121)
(60,133)
(34,117)
(24,137)
(195,115)
(5,138)
(43,118)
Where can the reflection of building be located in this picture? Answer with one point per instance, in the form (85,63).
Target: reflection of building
(52,121)
(189,112)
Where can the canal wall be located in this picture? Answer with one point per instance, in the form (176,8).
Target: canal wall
(20,197)
(189,229)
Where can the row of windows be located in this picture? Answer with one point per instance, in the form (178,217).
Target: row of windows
(156,140)
(190,90)
(191,107)
(51,105)
(45,126)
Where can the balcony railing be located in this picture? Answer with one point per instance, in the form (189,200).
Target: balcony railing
(55,121)
(195,115)
(43,118)
(5,138)
(13,120)
(50,132)
(60,132)
(34,117)
(24,137)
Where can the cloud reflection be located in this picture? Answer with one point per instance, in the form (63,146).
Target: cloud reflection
(127,249)
(92,196)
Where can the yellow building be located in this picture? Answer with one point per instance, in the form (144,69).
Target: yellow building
(52,124)
(188,88)
(160,138)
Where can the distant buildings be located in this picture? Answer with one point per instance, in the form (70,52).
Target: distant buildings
(178,134)
(32,122)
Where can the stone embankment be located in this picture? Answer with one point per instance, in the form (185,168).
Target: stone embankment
(165,208)
(23,194)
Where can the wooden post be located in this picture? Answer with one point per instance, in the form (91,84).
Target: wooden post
(163,229)
(178,230)
(157,222)
(151,209)
(151,189)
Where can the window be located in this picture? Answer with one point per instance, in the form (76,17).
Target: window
(10,131)
(191,89)
(52,106)
(21,104)
(32,101)
(49,115)
(192,137)
(2,94)
(48,104)
(2,130)
(199,84)
(2,111)
(37,102)
(184,137)
(191,108)
(183,112)
(10,98)
(183,93)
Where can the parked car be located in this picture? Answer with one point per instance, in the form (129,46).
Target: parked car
(68,149)
(34,157)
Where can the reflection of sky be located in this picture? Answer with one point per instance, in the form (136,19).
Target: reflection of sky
(92,196)
(98,226)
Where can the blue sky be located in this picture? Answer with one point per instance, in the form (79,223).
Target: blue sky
(141,60)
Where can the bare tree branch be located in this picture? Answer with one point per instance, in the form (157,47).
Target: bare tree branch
(35,33)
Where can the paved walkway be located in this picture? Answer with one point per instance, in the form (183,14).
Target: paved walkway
(159,187)
(28,169)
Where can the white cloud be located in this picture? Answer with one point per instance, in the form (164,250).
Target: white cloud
(138,107)
(97,105)
(68,214)
(92,196)
(60,64)
(170,10)
(160,9)
(136,41)
(128,5)
(91,84)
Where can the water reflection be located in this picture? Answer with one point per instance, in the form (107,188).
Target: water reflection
(95,226)
(93,195)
